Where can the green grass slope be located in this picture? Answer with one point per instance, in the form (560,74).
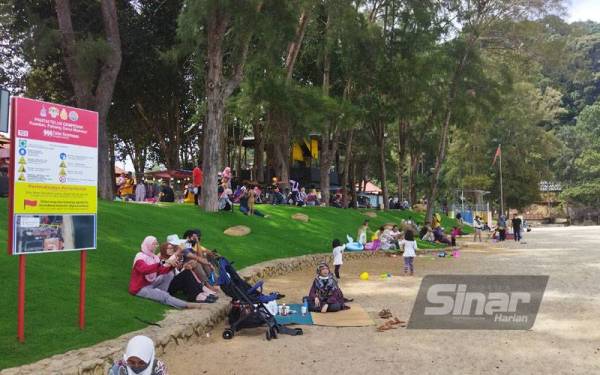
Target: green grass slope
(53,279)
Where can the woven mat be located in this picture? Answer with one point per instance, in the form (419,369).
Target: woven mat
(355,317)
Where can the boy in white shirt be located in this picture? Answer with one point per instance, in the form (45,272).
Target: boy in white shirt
(338,251)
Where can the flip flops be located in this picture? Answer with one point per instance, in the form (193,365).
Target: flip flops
(386,326)
(390,324)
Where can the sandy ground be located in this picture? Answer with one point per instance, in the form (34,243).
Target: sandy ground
(564,340)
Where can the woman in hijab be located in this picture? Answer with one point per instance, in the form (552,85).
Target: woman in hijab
(139,359)
(151,279)
(325,295)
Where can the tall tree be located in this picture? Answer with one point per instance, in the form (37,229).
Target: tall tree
(94,89)
(227,28)
(476,18)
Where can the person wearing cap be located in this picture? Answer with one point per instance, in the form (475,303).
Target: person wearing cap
(139,358)
(194,250)
(325,295)
(151,279)
(185,280)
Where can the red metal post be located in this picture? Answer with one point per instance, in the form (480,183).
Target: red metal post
(21,300)
(82,290)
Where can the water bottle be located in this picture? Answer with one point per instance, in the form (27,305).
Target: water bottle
(304,308)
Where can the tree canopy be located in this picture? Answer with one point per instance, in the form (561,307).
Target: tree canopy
(414,95)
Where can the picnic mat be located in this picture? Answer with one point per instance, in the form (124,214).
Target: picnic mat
(355,317)
(296,318)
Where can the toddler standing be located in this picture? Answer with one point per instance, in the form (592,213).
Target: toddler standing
(410,252)
(338,251)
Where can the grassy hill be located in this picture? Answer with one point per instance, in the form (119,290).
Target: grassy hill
(53,279)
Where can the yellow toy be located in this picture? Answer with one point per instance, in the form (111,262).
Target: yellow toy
(364,276)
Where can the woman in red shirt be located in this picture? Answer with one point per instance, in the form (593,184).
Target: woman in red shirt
(150,279)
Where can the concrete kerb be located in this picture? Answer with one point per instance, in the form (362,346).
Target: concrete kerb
(177,328)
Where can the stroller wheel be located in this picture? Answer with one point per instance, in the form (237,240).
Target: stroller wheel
(274,332)
(228,334)
(268,335)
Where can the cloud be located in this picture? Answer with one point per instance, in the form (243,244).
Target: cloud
(584,10)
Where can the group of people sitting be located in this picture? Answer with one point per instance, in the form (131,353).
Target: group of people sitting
(247,195)
(178,272)
(388,237)
(181,273)
(150,191)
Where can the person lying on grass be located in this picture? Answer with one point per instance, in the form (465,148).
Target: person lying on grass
(185,279)
(325,295)
(438,234)
(151,279)
(139,358)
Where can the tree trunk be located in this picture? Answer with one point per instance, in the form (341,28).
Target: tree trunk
(294,46)
(239,153)
(324,180)
(412,182)
(112,158)
(382,169)
(353,183)
(282,146)
(218,89)
(346,175)
(378,133)
(259,152)
(402,135)
(325,154)
(212,149)
(441,155)
(282,154)
(98,99)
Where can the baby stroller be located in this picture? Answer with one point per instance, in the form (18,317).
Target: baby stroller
(248,308)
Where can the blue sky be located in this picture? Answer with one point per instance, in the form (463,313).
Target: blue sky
(583,10)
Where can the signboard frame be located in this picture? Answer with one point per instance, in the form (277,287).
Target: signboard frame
(12,222)
(52,202)
(4,110)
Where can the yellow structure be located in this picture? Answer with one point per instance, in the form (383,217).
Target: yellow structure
(311,145)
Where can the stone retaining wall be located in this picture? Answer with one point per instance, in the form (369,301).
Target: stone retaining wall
(178,328)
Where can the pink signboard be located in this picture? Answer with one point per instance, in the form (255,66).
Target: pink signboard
(54,177)
(57,123)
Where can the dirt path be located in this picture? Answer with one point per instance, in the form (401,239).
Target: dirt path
(564,340)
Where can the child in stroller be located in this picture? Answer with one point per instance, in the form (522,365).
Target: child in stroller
(248,308)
